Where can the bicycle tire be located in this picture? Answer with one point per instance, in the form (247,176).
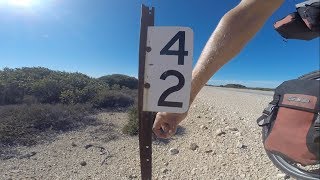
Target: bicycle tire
(282,163)
(311,76)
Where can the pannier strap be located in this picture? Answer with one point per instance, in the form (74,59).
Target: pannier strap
(299,108)
(268,110)
(267,115)
(316,136)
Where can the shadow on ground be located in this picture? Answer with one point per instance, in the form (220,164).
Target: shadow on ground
(159,141)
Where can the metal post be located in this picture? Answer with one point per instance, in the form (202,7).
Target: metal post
(145,121)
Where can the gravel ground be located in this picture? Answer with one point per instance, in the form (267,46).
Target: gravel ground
(218,140)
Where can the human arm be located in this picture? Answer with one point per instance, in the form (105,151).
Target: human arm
(232,33)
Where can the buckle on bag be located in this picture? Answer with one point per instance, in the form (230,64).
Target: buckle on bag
(268,110)
(267,115)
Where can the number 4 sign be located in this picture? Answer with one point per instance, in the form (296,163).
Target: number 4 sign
(168,69)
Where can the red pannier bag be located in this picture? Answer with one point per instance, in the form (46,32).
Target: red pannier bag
(293,121)
(293,27)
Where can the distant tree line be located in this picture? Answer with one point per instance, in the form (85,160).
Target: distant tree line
(42,85)
(239,86)
(234,86)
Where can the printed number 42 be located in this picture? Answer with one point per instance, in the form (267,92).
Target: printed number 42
(181,53)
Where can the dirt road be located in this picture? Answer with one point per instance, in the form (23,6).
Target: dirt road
(218,140)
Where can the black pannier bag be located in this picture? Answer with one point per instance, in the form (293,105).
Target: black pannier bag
(303,24)
(293,121)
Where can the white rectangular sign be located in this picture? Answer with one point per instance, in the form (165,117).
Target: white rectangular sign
(168,68)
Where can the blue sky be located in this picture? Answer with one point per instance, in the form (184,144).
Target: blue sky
(99,37)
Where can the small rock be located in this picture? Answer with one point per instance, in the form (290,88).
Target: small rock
(73,144)
(232,128)
(208,151)
(174,151)
(213,144)
(224,164)
(242,176)
(219,132)
(164,170)
(88,146)
(198,116)
(241,146)
(132,176)
(83,163)
(166,163)
(15,171)
(193,171)
(28,155)
(193,146)
(281,176)
(203,127)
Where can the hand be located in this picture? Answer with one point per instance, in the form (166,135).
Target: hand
(165,124)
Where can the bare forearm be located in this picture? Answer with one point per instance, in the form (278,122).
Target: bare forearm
(234,30)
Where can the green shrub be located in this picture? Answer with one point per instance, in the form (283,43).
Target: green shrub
(29,124)
(132,127)
(121,80)
(47,90)
(11,93)
(24,77)
(112,99)
(41,85)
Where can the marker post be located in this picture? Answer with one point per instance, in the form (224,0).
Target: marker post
(145,118)
(165,66)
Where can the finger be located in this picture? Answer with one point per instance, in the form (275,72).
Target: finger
(170,130)
(165,127)
(163,131)
(173,130)
(157,129)
(159,133)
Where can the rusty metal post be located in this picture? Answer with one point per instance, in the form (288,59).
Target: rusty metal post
(145,121)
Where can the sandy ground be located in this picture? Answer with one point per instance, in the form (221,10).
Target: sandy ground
(103,152)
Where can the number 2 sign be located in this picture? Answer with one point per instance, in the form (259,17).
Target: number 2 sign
(168,68)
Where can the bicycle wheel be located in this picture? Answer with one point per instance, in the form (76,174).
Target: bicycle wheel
(291,168)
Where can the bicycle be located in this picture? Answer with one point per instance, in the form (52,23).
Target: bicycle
(290,168)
